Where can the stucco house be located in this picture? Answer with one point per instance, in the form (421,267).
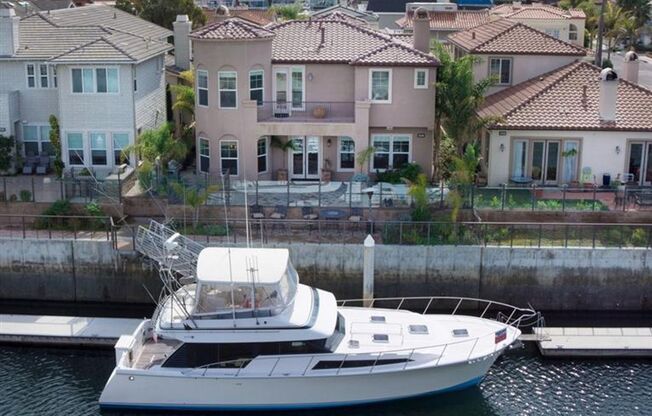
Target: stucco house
(444,23)
(330,85)
(571,125)
(99,70)
(512,52)
(567,25)
(360,13)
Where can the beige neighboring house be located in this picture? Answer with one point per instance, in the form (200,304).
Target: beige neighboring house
(571,126)
(566,25)
(331,86)
(444,23)
(96,68)
(512,52)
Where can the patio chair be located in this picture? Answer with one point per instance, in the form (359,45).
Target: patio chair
(31,162)
(257,212)
(280,212)
(43,165)
(356,215)
(308,214)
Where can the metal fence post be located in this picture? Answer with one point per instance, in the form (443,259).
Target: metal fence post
(288,192)
(472,196)
(534,195)
(23,218)
(380,195)
(566,236)
(484,235)
(595,190)
(540,232)
(61,186)
(4,189)
(503,196)
(257,192)
(441,194)
(33,193)
(563,198)
(119,188)
(319,194)
(593,237)
(350,193)
(625,199)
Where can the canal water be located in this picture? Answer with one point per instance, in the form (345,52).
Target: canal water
(40,381)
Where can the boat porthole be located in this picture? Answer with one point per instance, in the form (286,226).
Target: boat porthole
(131,378)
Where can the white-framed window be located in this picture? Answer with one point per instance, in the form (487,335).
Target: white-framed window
(501,68)
(202,88)
(391,151)
(553,32)
(31,75)
(227,82)
(120,142)
(36,140)
(95,80)
(346,154)
(43,76)
(229,156)
(204,155)
(98,149)
(421,78)
(572,32)
(256,86)
(261,154)
(380,85)
(75,143)
(298,86)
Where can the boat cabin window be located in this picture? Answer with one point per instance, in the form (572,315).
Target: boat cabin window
(328,365)
(223,300)
(235,355)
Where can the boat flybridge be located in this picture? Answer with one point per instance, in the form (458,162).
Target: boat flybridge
(244,334)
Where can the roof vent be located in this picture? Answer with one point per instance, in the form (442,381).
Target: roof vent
(473,35)
(378,319)
(381,338)
(421,13)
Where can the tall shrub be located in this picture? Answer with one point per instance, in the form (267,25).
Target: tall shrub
(55,141)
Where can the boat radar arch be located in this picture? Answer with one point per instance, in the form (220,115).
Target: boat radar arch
(244,279)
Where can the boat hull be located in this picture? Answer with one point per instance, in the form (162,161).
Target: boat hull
(127,388)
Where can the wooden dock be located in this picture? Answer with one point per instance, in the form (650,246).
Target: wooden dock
(594,342)
(64,330)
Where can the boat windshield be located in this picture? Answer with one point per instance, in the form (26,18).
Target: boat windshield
(262,297)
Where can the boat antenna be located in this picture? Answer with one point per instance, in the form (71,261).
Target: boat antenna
(252,266)
(226,211)
(248,234)
(228,250)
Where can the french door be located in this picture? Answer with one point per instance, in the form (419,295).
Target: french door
(305,157)
(545,161)
(640,162)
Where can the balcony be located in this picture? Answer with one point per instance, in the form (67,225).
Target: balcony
(310,112)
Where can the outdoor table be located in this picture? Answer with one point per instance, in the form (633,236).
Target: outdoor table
(332,214)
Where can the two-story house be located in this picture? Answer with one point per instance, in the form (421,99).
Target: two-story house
(331,86)
(512,52)
(567,25)
(99,70)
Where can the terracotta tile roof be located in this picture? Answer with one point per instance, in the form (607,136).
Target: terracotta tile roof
(391,53)
(557,101)
(452,20)
(338,41)
(260,17)
(231,29)
(338,15)
(536,11)
(510,37)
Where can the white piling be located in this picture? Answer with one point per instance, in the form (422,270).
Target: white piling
(368,271)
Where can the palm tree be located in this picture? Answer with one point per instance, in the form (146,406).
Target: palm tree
(639,9)
(591,23)
(457,101)
(614,21)
(570,4)
(463,173)
(158,144)
(184,93)
(631,31)
(195,197)
(284,146)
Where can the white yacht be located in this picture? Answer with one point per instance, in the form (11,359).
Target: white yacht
(244,334)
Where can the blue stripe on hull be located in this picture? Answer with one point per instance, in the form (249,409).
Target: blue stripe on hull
(302,406)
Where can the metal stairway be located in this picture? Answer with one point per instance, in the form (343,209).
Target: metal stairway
(152,242)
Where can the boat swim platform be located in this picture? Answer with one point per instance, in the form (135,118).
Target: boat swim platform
(594,342)
(64,331)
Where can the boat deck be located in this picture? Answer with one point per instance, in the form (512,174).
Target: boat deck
(154,353)
(595,342)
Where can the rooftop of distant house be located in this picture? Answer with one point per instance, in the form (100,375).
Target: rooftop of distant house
(536,11)
(568,99)
(506,36)
(261,17)
(448,20)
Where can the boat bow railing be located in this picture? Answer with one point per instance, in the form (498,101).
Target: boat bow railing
(515,316)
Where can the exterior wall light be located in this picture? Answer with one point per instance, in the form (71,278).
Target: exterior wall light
(502,147)
(617,150)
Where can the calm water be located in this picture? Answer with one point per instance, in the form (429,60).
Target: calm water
(68,382)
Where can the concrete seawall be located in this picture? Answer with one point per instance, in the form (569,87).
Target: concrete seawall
(551,279)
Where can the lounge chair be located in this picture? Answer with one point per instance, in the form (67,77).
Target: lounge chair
(43,165)
(31,162)
(308,214)
(280,212)
(257,212)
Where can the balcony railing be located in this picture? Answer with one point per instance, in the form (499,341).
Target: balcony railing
(308,112)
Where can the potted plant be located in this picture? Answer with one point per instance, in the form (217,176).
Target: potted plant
(284,146)
(319,112)
(362,158)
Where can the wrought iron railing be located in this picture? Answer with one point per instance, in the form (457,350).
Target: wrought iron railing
(307,111)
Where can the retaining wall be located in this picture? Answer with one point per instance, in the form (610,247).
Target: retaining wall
(549,279)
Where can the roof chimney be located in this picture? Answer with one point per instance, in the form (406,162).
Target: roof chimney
(608,94)
(9,34)
(222,13)
(182,46)
(516,5)
(630,67)
(421,30)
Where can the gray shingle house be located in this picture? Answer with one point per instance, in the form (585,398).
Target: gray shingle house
(98,69)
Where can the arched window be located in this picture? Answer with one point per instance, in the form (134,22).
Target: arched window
(572,32)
